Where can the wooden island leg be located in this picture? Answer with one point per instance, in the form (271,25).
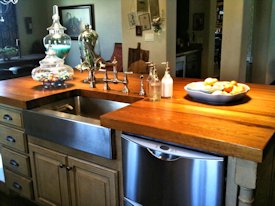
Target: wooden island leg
(241,174)
(231,186)
(246,175)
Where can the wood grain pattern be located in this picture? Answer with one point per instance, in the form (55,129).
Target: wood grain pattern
(241,129)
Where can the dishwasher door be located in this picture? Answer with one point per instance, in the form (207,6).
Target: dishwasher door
(157,174)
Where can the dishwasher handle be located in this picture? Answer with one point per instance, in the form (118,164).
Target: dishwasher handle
(163,156)
(169,153)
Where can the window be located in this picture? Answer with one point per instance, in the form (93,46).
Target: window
(8,25)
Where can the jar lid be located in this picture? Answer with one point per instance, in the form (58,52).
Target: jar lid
(51,60)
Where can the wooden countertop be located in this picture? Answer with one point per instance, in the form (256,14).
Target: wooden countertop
(242,130)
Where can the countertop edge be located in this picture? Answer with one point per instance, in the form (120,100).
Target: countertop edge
(185,140)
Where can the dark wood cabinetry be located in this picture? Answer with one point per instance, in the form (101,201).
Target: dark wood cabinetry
(189,64)
(193,64)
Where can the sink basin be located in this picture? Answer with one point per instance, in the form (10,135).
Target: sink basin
(74,122)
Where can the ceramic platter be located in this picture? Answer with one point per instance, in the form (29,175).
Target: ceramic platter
(195,91)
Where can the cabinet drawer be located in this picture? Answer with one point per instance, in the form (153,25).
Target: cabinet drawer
(19,184)
(16,162)
(193,57)
(10,116)
(13,138)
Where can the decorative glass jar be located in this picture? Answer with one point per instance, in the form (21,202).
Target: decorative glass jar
(52,71)
(57,39)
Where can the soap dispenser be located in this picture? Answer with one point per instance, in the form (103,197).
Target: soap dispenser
(167,83)
(154,87)
(149,78)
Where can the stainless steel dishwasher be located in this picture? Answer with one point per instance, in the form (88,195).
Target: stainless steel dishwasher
(157,174)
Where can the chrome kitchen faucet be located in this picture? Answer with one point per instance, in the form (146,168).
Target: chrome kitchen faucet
(115,79)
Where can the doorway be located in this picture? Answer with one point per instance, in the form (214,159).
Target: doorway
(218,38)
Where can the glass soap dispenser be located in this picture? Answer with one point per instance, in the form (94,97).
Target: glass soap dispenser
(57,39)
(166,83)
(150,75)
(154,86)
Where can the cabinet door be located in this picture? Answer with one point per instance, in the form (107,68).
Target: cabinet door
(49,176)
(193,65)
(91,184)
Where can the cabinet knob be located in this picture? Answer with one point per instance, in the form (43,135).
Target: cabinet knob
(7,117)
(14,163)
(10,139)
(61,165)
(69,168)
(16,185)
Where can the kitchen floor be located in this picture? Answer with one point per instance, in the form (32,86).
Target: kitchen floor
(14,201)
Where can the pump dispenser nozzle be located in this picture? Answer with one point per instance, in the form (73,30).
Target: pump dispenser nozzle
(167,68)
(166,83)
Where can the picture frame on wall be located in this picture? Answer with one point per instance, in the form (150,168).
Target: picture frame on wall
(198,21)
(142,5)
(138,30)
(154,9)
(74,18)
(132,19)
(145,22)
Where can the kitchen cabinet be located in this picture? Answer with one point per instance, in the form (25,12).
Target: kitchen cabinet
(15,151)
(180,66)
(188,64)
(193,64)
(60,179)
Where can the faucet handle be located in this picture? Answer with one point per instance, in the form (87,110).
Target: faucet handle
(125,82)
(102,65)
(114,61)
(141,92)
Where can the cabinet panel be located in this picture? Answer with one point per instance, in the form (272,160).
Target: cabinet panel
(16,162)
(13,138)
(19,184)
(50,176)
(193,65)
(92,185)
(10,116)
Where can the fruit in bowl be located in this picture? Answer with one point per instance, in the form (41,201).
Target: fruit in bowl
(215,87)
(7,52)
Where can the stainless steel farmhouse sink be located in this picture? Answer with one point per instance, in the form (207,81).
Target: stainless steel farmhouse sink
(74,122)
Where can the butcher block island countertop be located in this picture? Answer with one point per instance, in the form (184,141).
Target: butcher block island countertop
(240,130)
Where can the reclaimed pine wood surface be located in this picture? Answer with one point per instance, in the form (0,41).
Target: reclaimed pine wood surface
(242,129)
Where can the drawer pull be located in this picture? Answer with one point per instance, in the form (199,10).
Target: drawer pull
(16,185)
(61,165)
(7,117)
(10,139)
(14,163)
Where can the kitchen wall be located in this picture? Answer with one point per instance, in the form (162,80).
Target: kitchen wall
(236,45)
(235,40)
(112,25)
(263,69)
(30,8)
(107,23)
(158,47)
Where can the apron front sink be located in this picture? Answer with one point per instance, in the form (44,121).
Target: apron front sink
(75,123)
